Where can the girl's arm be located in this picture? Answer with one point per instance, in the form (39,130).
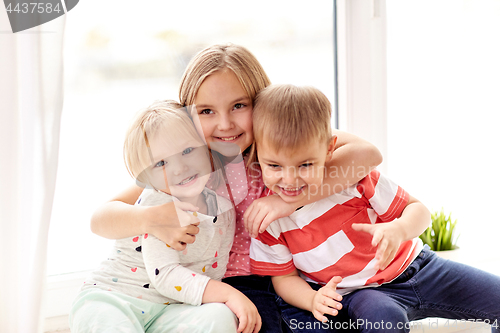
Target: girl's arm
(352,160)
(120,218)
(242,307)
(297,292)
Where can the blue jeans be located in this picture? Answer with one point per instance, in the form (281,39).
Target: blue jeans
(430,287)
(259,289)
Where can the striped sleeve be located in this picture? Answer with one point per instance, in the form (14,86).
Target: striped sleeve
(387,198)
(268,256)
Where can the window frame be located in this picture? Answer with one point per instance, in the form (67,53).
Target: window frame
(362,70)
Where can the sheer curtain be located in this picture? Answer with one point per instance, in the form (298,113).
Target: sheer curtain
(30,111)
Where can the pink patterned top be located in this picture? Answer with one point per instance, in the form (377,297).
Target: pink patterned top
(245,188)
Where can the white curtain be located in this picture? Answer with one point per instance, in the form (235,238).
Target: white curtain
(30,111)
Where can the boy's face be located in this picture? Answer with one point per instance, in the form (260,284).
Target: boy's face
(297,173)
(181,167)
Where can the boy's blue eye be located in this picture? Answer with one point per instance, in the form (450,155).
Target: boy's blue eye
(160,164)
(187,150)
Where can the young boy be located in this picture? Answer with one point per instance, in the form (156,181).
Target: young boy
(352,260)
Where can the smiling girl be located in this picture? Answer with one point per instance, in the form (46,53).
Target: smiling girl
(220,85)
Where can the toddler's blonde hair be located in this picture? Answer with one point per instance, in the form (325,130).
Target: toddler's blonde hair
(166,117)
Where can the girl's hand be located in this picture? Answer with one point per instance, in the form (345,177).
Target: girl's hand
(387,236)
(245,310)
(263,211)
(171,224)
(326,300)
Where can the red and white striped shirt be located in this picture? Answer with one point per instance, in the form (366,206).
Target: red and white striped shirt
(319,241)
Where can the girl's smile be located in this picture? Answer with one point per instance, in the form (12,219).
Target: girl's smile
(188,181)
(230,138)
(224,110)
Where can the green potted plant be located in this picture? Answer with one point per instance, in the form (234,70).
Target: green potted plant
(441,235)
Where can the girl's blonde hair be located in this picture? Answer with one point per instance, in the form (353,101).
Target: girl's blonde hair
(286,117)
(217,58)
(166,117)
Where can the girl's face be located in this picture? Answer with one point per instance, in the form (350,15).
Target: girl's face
(224,111)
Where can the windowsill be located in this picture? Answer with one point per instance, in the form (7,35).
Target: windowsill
(62,290)
(439,325)
(59,295)
(476,257)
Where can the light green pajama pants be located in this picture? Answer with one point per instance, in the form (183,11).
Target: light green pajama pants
(100,311)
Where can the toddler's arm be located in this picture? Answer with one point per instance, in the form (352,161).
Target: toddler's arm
(297,292)
(179,282)
(120,218)
(388,236)
(352,160)
(242,307)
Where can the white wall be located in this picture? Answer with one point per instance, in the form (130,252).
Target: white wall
(444,109)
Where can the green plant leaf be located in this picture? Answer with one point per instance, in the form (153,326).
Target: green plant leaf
(441,234)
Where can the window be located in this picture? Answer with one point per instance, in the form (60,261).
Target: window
(433,112)
(118,64)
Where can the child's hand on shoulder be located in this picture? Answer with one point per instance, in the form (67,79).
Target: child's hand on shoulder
(387,237)
(171,224)
(327,300)
(263,211)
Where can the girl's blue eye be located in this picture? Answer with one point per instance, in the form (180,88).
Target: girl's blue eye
(274,166)
(239,105)
(305,165)
(160,164)
(187,150)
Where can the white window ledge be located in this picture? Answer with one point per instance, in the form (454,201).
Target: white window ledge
(59,295)
(62,290)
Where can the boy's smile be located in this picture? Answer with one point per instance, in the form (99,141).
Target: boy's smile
(294,173)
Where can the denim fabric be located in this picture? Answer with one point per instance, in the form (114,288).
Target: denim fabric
(430,287)
(259,289)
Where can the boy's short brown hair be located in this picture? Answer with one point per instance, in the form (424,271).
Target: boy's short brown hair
(286,117)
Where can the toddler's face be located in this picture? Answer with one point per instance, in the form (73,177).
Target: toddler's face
(181,167)
(294,174)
